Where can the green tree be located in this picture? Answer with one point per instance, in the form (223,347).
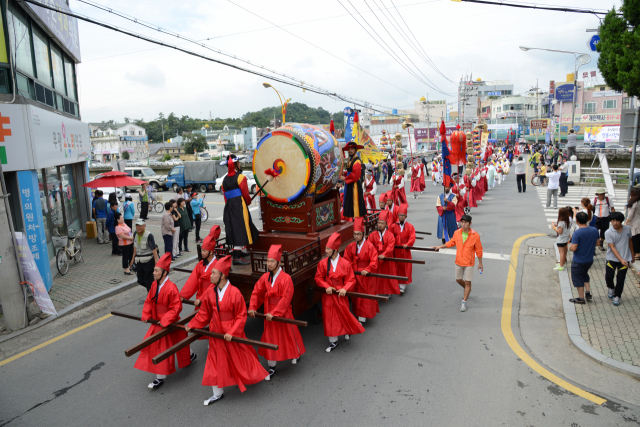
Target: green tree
(338,120)
(125,155)
(195,141)
(619,48)
(166,157)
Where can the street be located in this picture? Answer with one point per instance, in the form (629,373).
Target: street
(420,361)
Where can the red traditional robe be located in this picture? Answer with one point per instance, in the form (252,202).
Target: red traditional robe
(393,211)
(384,247)
(485,182)
(369,199)
(276,298)
(473,192)
(166,308)
(462,202)
(399,194)
(198,282)
(336,317)
(417,178)
(228,363)
(405,235)
(367,259)
(423,169)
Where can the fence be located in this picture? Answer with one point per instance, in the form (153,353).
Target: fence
(618,175)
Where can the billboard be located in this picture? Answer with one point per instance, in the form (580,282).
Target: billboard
(602,133)
(63,27)
(565,92)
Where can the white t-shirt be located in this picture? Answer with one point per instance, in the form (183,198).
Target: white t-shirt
(554,180)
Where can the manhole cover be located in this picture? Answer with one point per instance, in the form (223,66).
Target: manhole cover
(538,251)
(114,281)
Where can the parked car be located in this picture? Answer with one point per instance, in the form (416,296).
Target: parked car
(147,174)
(251,182)
(637,149)
(616,147)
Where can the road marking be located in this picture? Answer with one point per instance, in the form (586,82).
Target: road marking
(507,308)
(51,341)
(485,255)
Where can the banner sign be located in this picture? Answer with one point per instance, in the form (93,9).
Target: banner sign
(552,88)
(349,114)
(602,133)
(593,118)
(63,26)
(424,135)
(538,124)
(32,276)
(565,92)
(139,138)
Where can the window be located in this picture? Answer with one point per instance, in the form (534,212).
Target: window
(25,86)
(58,69)
(139,132)
(124,133)
(626,104)
(70,76)
(610,104)
(41,55)
(589,108)
(21,40)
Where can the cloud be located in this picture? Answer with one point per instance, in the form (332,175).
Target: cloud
(150,75)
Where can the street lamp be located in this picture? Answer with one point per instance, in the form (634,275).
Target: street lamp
(580,59)
(283,105)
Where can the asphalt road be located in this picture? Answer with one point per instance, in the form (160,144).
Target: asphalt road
(420,361)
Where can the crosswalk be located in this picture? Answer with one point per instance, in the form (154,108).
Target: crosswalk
(573,197)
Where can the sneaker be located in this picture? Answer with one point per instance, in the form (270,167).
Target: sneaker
(610,293)
(332,345)
(588,296)
(346,337)
(463,306)
(602,248)
(213,399)
(295,361)
(272,372)
(616,300)
(559,268)
(157,383)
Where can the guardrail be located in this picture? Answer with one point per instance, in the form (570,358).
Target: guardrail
(617,174)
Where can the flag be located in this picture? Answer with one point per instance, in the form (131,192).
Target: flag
(446,163)
(370,150)
(332,128)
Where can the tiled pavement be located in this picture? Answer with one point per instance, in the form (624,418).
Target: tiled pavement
(610,330)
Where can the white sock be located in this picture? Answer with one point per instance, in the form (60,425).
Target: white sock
(161,377)
(361,319)
(271,363)
(333,339)
(217,391)
(403,287)
(190,351)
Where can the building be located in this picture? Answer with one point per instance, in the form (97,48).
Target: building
(157,151)
(250,136)
(110,140)
(471,94)
(44,146)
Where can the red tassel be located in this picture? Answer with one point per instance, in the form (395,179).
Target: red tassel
(272,172)
(332,127)
(356,119)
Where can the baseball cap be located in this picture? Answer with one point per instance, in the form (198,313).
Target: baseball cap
(140,222)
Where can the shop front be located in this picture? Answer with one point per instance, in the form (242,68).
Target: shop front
(45,165)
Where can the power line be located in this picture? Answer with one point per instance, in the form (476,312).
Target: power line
(553,8)
(198,55)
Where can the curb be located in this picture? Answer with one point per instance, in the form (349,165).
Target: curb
(87,302)
(573,329)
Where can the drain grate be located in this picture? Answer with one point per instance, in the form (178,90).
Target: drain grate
(538,251)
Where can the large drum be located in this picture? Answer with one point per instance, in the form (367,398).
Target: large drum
(308,158)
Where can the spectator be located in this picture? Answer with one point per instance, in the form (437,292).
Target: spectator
(562,228)
(376,172)
(185,226)
(534,160)
(633,219)
(602,208)
(99,208)
(179,194)
(583,243)
(468,246)
(113,198)
(620,254)
(390,170)
(563,168)
(166,227)
(111,227)
(587,208)
(187,200)
(552,188)
(426,165)
(572,143)
(129,211)
(175,252)
(521,174)
(125,242)
(145,254)
(197,217)
(385,169)
(144,202)
(636,176)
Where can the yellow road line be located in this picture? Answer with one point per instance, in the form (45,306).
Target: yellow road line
(51,341)
(511,339)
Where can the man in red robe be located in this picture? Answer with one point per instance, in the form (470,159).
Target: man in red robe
(336,276)
(224,310)
(382,200)
(400,196)
(164,305)
(392,208)
(370,188)
(460,190)
(417,178)
(363,258)
(405,235)
(383,241)
(199,279)
(275,290)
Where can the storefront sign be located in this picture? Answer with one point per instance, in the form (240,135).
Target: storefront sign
(64,27)
(33,225)
(538,124)
(606,93)
(137,138)
(423,135)
(510,114)
(565,92)
(593,118)
(552,88)
(498,93)
(33,277)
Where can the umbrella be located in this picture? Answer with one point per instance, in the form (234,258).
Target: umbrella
(114,181)
(112,173)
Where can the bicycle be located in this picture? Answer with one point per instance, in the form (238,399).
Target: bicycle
(204,214)
(157,206)
(69,247)
(537,180)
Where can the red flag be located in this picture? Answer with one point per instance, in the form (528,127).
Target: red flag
(332,128)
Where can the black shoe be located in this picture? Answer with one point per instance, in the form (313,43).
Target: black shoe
(193,356)
(588,296)
(157,383)
(272,372)
(578,300)
(213,399)
(332,345)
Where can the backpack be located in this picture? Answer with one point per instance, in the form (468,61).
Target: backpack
(594,203)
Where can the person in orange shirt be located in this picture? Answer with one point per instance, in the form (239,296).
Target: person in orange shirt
(468,247)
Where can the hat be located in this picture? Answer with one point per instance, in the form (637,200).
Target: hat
(466,218)
(140,222)
(275,252)
(128,197)
(334,241)
(383,197)
(384,216)
(403,209)
(601,191)
(209,243)
(223,265)
(231,165)
(389,195)
(358,224)
(194,195)
(215,231)
(369,171)
(352,144)
(164,262)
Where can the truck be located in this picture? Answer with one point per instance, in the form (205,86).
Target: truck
(201,175)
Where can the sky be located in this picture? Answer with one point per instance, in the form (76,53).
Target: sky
(319,43)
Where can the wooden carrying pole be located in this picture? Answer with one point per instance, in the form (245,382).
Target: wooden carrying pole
(155,337)
(424,232)
(355,294)
(381,276)
(416,248)
(406,261)
(263,316)
(183,270)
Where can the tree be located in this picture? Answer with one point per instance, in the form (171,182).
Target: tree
(195,141)
(619,48)
(338,120)
(166,157)
(125,155)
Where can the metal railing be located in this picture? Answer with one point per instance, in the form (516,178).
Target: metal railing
(617,174)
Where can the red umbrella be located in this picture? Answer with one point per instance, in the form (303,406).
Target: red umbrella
(114,181)
(112,173)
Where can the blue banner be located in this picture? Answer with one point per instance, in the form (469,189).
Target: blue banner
(565,92)
(34,223)
(349,113)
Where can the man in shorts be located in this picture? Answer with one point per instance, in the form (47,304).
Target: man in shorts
(582,244)
(468,247)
